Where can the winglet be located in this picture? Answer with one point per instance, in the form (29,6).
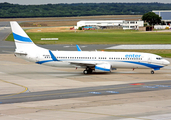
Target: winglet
(52,56)
(78,48)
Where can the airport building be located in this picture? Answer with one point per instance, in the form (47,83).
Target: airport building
(165,14)
(133,24)
(111,24)
(100,23)
(166,17)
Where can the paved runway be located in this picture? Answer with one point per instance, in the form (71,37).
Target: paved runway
(85,92)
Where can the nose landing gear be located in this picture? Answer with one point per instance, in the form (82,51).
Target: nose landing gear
(152,71)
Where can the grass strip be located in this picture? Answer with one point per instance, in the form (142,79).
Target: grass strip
(102,37)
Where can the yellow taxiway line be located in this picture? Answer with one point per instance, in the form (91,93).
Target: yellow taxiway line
(16,85)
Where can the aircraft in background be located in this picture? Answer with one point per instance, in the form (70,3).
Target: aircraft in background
(90,61)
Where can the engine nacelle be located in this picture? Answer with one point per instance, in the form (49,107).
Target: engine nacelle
(103,67)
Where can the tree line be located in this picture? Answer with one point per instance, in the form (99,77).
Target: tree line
(8,10)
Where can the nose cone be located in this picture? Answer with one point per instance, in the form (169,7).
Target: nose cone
(166,62)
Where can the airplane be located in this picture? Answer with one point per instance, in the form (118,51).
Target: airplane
(89,60)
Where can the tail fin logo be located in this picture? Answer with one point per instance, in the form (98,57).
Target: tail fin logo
(21,38)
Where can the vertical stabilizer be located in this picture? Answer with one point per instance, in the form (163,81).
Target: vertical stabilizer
(22,40)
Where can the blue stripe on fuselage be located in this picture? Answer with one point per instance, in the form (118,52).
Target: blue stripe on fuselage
(155,67)
(52,56)
(45,61)
(145,64)
(21,38)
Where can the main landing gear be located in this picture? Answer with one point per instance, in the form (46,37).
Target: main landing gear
(88,71)
(152,71)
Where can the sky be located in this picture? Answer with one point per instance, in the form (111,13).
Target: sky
(35,2)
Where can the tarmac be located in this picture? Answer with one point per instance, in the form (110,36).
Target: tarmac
(37,92)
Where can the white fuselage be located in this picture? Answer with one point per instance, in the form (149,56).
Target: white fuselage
(133,60)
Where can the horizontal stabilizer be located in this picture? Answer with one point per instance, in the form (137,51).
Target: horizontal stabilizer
(20,53)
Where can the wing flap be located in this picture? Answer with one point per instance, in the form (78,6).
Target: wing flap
(97,65)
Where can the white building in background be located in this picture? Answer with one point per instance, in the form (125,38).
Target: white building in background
(100,23)
(133,24)
(111,23)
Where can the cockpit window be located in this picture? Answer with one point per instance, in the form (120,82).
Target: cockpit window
(159,58)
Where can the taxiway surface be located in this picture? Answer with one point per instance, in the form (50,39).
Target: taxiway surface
(85,92)
(31,91)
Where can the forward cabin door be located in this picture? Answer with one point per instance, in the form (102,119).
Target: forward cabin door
(149,60)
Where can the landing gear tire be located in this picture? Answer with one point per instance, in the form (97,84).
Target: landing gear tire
(88,71)
(85,72)
(152,72)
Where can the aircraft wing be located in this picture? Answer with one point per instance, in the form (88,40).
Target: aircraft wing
(97,65)
(83,63)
